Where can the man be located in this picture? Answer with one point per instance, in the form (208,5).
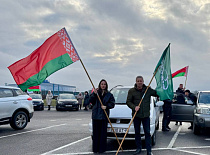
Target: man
(180,97)
(143,112)
(180,89)
(193,98)
(166,115)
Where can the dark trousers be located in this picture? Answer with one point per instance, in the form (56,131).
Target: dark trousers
(146,126)
(99,135)
(166,115)
(48,107)
(80,106)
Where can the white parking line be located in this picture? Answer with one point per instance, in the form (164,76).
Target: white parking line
(31,131)
(174,138)
(65,146)
(154,149)
(191,152)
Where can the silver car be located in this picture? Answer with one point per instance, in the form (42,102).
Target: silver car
(202,112)
(121,115)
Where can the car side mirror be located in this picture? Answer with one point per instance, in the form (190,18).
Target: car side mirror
(159,103)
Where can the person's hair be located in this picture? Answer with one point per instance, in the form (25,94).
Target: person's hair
(86,92)
(188,91)
(140,77)
(99,85)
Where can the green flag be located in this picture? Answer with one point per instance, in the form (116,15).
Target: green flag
(163,76)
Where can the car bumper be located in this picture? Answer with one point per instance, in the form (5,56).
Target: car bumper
(38,106)
(202,120)
(67,107)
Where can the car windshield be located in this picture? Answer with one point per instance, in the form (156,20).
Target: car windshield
(36,96)
(67,96)
(120,95)
(204,97)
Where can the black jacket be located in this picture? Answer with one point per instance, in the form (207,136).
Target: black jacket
(107,100)
(135,96)
(86,100)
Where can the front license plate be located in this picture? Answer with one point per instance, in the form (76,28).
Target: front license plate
(117,130)
(35,105)
(68,105)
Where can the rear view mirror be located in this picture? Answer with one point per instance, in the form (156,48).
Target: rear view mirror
(159,103)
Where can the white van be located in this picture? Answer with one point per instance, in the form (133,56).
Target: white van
(121,115)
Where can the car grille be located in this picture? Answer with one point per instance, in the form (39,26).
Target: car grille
(68,103)
(120,121)
(36,102)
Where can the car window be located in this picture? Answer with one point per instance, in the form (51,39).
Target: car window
(120,95)
(19,92)
(36,96)
(204,97)
(67,96)
(5,93)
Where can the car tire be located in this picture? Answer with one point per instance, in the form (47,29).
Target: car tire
(153,138)
(196,129)
(19,120)
(57,109)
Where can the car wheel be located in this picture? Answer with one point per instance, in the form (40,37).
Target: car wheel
(196,129)
(19,120)
(42,107)
(153,138)
(57,109)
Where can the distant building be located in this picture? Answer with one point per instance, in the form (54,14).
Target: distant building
(56,89)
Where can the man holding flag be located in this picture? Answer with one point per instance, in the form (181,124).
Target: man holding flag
(138,98)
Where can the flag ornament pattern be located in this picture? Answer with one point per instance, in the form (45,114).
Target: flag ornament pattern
(54,54)
(163,76)
(181,72)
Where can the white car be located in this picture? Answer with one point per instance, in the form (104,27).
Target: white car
(121,115)
(16,107)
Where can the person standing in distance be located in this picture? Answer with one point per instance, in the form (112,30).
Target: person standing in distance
(99,119)
(49,97)
(143,112)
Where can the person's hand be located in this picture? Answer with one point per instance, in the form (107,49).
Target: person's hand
(137,108)
(95,90)
(103,107)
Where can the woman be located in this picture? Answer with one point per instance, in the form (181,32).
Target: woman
(86,100)
(99,118)
(49,99)
(80,98)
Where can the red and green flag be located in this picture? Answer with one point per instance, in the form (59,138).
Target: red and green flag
(54,54)
(34,88)
(181,72)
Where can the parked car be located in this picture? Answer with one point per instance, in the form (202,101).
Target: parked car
(66,102)
(16,107)
(37,101)
(202,112)
(121,115)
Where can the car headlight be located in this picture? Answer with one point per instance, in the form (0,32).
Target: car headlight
(202,110)
(59,102)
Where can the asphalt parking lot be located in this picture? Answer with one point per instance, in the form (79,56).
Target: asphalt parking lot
(66,133)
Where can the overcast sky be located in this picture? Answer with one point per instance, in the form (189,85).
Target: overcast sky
(116,39)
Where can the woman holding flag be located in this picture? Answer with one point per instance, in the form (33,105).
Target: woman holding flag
(99,118)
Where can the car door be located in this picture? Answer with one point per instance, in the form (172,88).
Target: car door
(182,109)
(7,103)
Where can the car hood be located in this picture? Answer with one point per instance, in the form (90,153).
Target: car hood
(39,100)
(202,105)
(63,100)
(120,111)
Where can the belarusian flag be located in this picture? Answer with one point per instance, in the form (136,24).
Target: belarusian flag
(55,53)
(34,88)
(181,72)
(163,76)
